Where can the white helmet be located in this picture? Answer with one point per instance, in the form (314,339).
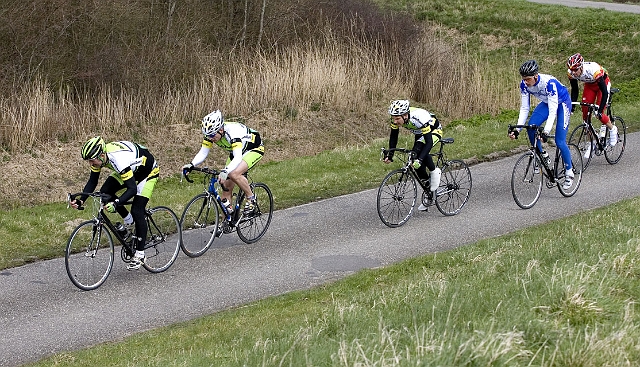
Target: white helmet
(211,123)
(399,107)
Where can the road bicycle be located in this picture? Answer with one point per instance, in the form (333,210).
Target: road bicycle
(531,169)
(398,191)
(89,255)
(205,217)
(590,143)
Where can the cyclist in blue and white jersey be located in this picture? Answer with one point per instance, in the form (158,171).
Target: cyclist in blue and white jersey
(555,104)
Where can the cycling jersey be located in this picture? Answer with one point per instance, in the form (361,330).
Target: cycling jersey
(549,91)
(596,87)
(420,122)
(127,160)
(427,131)
(241,142)
(591,71)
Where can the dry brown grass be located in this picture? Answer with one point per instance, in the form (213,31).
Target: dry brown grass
(303,100)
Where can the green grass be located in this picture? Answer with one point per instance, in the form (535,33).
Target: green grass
(530,298)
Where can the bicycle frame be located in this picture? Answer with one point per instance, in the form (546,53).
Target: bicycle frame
(212,192)
(100,217)
(549,172)
(407,166)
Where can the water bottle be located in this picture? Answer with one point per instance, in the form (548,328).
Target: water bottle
(603,131)
(546,159)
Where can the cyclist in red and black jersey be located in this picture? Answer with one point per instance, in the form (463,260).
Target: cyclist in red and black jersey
(597,87)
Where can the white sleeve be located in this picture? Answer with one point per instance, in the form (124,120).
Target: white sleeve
(201,156)
(237,158)
(524,107)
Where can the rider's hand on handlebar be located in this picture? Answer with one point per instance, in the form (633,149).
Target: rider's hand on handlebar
(110,207)
(187,168)
(544,136)
(599,115)
(513,134)
(76,203)
(223,175)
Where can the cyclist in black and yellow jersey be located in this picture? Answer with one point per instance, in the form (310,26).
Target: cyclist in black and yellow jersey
(245,150)
(135,169)
(427,131)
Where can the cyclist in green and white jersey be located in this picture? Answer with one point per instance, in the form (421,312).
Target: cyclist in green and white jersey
(427,131)
(245,150)
(134,169)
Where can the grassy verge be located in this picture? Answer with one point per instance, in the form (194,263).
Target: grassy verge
(530,298)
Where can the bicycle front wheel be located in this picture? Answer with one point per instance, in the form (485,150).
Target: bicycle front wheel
(576,162)
(89,255)
(199,222)
(252,226)
(455,187)
(585,141)
(614,153)
(526,183)
(164,237)
(397,198)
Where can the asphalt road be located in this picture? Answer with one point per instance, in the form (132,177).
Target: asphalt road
(627,8)
(42,313)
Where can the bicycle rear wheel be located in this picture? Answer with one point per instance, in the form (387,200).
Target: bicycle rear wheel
(163,239)
(252,226)
(614,153)
(526,184)
(88,257)
(455,187)
(576,161)
(585,141)
(199,222)
(396,198)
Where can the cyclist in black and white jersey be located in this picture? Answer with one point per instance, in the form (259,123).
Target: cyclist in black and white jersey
(245,150)
(135,169)
(427,131)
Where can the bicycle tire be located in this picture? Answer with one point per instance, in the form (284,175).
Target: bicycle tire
(455,187)
(164,237)
(397,196)
(526,185)
(252,227)
(583,139)
(576,162)
(199,222)
(88,265)
(613,154)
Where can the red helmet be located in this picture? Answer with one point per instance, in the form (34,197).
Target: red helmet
(575,62)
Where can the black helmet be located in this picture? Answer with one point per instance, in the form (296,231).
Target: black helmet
(529,68)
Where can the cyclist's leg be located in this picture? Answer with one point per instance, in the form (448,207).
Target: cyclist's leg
(589,95)
(249,159)
(562,127)
(418,148)
(538,118)
(111,185)
(138,208)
